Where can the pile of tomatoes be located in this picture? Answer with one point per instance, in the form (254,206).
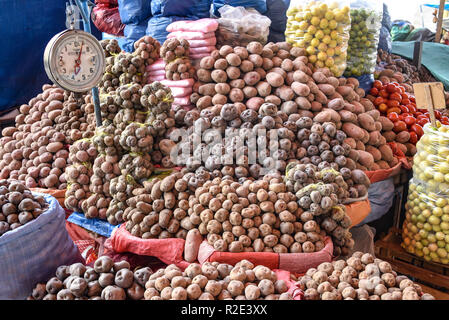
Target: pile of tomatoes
(400,107)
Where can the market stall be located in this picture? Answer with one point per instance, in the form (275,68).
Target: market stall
(198,159)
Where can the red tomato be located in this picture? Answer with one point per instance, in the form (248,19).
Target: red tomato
(391,88)
(438,114)
(405,102)
(444,118)
(409,121)
(384,94)
(374,92)
(378,101)
(422,122)
(413,138)
(404,109)
(418,129)
(393,104)
(393,116)
(396,96)
(402,117)
(412,99)
(404,96)
(397,110)
(377,84)
(399,126)
(383,107)
(446,123)
(412,109)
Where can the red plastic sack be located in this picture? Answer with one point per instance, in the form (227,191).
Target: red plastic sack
(107,19)
(169,251)
(358,211)
(293,289)
(292,262)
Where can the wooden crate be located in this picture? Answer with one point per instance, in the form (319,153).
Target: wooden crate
(432,274)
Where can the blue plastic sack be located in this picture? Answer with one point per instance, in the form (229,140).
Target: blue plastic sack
(385,40)
(132,34)
(157,26)
(26,28)
(276,36)
(386,19)
(190,8)
(98,226)
(259,5)
(31,254)
(134,11)
(381,196)
(277,12)
(366,81)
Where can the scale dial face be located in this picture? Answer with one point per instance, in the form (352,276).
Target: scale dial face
(74,60)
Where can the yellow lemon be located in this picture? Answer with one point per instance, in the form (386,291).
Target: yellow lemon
(322,56)
(310,50)
(315,21)
(329,62)
(324,23)
(319,34)
(313,58)
(315,42)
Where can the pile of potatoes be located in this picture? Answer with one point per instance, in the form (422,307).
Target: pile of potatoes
(320,195)
(34,151)
(248,78)
(161,208)
(76,119)
(175,53)
(18,205)
(106,280)
(254,216)
(110,47)
(82,155)
(148,49)
(361,277)
(214,281)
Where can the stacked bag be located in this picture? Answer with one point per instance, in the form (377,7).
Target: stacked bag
(106,17)
(200,34)
(165,12)
(135,15)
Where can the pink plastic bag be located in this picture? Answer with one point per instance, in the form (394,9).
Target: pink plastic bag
(203,43)
(202,25)
(199,55)
(181,83)
(191,35)
(180,92)
(157,65)
(155,78)
(156,73)
(199,50)
(182,101)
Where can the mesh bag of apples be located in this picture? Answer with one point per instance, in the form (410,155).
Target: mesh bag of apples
(425,232)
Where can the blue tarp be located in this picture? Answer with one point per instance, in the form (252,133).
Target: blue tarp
(98,226)
(189,8)
(446,6)
(26,28)
(134,11)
